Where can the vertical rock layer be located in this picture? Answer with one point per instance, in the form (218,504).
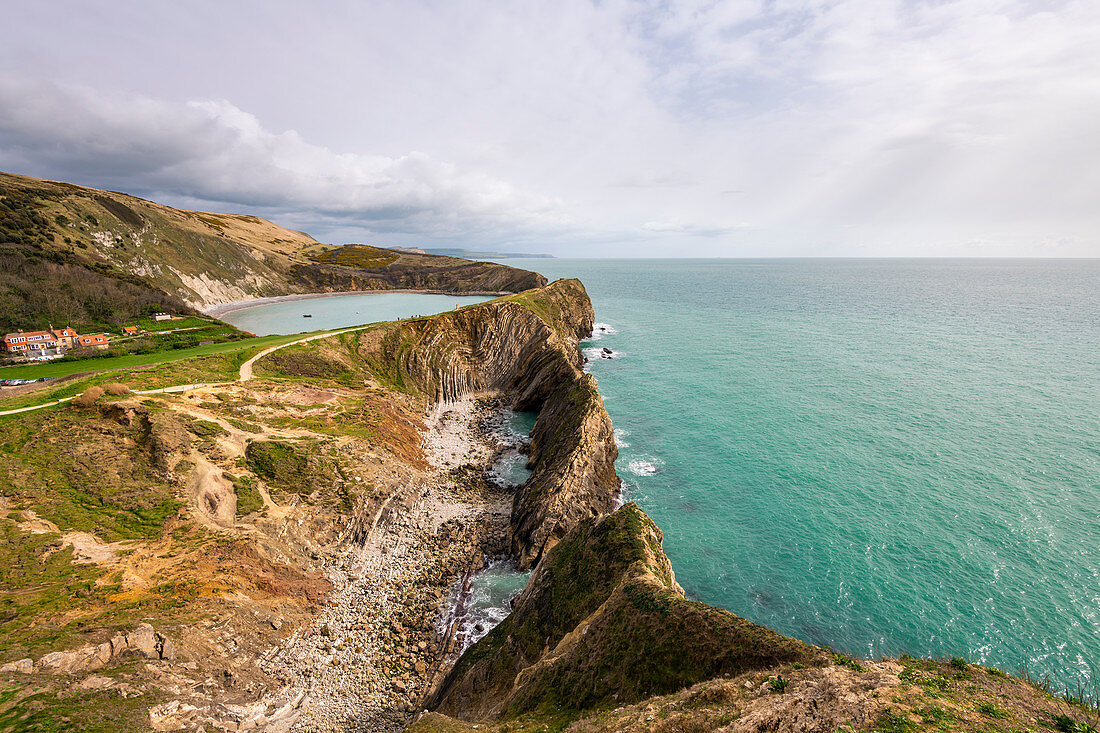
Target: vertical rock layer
(524,346)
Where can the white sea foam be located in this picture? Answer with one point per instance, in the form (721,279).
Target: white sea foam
(594,353)
(486,602)
(617,499)
(643,468)
(599,330)
(510,469)
(619,435)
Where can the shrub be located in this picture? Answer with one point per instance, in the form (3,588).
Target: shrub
(89,397)
(780,683)
(1066,724)
(848,662)
(990,710)
(117,388)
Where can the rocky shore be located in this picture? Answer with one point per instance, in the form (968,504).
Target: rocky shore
(368,659)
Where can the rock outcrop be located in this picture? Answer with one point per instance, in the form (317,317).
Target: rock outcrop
(602,620)
(143,641)
(525,347)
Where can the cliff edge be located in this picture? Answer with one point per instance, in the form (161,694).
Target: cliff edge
(524,347)
(602,620)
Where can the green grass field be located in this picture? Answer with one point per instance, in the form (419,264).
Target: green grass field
(62,369)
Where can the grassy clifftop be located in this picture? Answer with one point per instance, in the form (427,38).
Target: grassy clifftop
(603,621)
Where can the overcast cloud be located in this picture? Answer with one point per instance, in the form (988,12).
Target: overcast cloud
(778,127)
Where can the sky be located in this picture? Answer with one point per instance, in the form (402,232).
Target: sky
(748,128)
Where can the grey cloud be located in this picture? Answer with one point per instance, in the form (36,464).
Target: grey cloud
(211,151)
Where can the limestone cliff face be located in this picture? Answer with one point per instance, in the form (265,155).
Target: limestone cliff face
(602,620)
(524,346)
(572,445)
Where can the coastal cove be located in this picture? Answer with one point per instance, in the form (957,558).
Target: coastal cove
(883,456)
(308,312)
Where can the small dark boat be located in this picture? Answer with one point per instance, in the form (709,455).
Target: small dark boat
(307,315)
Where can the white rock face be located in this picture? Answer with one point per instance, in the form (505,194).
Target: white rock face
(204,292)
(22,666)
(143,640)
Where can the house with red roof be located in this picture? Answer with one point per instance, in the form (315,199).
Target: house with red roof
(50,344)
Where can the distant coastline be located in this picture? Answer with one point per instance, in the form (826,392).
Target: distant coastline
(237,305)
(474,254)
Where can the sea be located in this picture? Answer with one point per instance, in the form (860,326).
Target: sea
(880,456)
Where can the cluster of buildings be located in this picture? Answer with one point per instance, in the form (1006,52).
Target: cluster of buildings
(52,344)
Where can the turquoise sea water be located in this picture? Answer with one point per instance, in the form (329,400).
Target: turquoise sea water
(341,311)
(881,456)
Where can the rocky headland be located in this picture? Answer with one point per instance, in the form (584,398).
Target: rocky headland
(283,553)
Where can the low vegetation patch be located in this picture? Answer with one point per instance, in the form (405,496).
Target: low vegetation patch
(277,462)
(86,473)
(206,428)
(360,256)
(302,361)
(893,722)
(249,499)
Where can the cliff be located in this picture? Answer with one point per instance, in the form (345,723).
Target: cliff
(274,554)
(524,347)
(148,253)
(601,621)
(602,638)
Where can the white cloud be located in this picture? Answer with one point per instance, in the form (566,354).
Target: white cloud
(845,126)
(211,151)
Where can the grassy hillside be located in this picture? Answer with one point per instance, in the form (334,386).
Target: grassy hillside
(193,257)
(61,245)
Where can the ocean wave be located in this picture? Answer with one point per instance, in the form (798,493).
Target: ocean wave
(619,435)
(592,353)
(487,602)
(639,467)
(509,470)
(599,330)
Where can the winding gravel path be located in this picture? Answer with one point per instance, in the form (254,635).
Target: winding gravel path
(246,368)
